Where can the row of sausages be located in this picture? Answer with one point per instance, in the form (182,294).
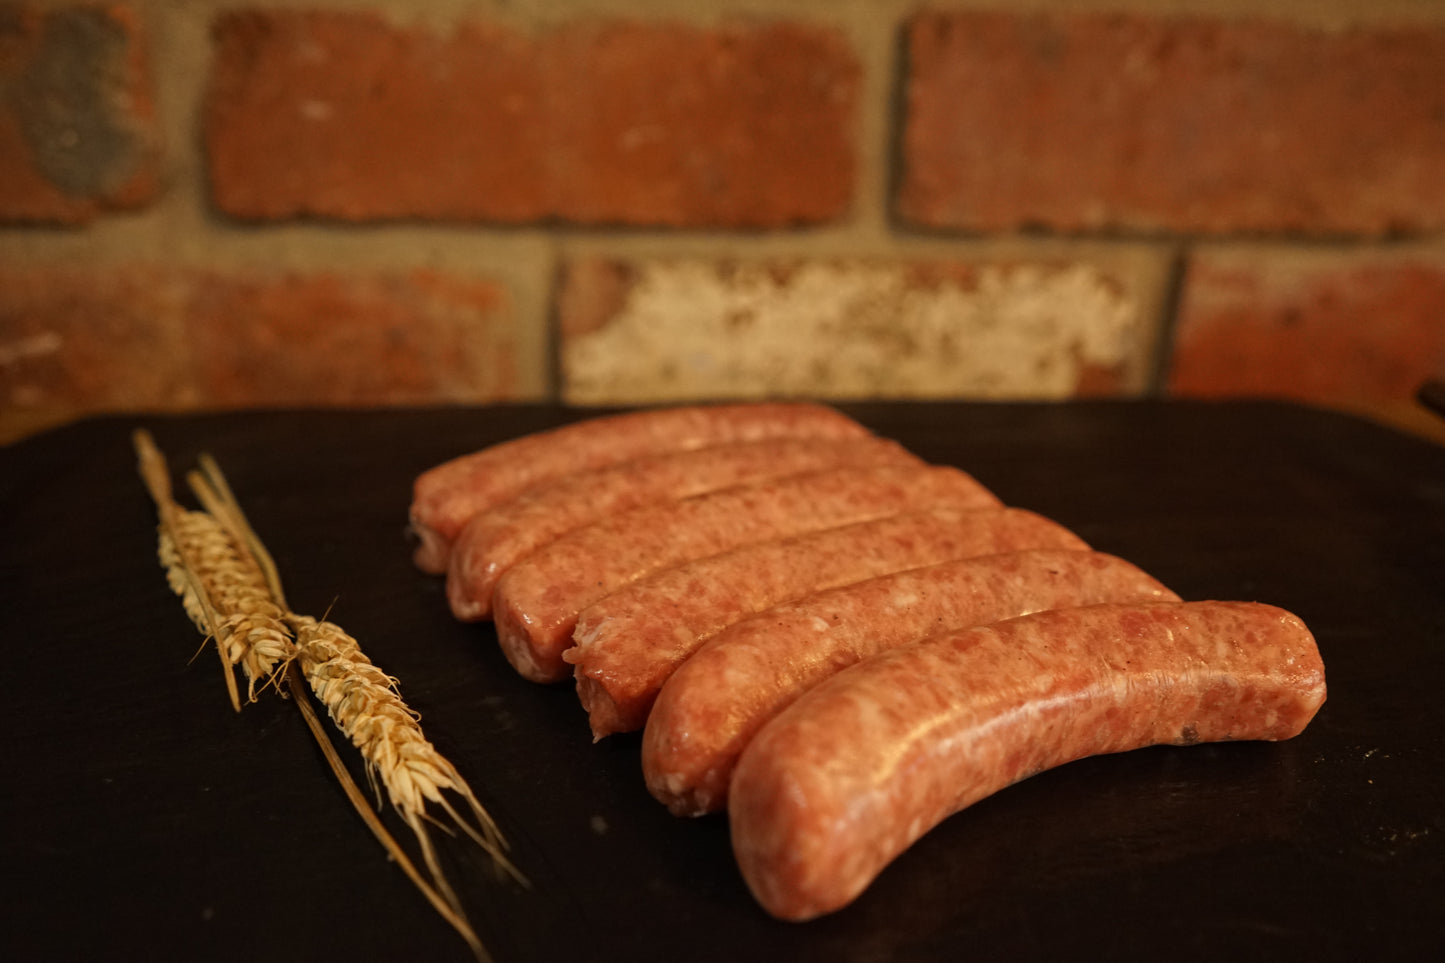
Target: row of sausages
(836,642)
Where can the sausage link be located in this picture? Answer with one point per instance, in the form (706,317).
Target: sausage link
(445,498)
(721,696)
(494,540)
(537,601)
(861,766)
(630,642)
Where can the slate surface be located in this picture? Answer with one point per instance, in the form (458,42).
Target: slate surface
(143,818)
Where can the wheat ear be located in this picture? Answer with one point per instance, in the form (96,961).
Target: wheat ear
(229,585)
(446,908)
(221,585)
(363,701)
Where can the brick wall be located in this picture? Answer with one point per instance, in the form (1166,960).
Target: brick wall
(339,202)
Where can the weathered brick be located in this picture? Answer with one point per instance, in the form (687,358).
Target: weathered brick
(348,116)
(1088,122)
(667,330)
(86,340)
(328,339)
(153,337)
(77,121)
(1331,327)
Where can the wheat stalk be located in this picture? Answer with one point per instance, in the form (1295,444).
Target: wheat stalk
(230,586)
(446,908)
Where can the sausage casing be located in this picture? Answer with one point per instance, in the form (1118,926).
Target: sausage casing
(537,601)
(731,686)
(494,540)
(628,644)
(445,498)
(858,768)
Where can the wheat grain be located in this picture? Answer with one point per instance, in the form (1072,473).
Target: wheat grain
(222,587)
(178,578)
(191,589)
(225,593)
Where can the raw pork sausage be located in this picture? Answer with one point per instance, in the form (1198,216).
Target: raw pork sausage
(716,701)
(537,601)
(494,540)
(630,642)
(446,497)
(848,776)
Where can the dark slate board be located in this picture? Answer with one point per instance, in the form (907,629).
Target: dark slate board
(143,818)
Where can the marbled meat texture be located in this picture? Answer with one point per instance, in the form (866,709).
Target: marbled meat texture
(446,497)
(537,601)
(720,697)
(495,540)
(628,644)
(862,765)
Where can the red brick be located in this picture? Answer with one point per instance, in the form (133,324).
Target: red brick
(327,339)
(80,339)
(1136,123)
(347,116)
(77,120)
(1337,329)
(152,337)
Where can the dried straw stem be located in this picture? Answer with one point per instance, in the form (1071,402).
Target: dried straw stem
(447,908)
